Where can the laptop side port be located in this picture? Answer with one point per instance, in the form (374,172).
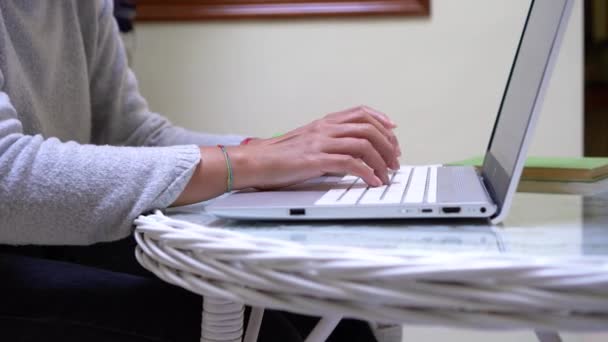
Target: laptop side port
(426,211)
(297,212)
(451,210)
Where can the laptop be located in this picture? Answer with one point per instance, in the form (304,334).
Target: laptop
(434,191)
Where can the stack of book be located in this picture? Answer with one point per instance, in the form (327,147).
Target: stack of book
(586,175)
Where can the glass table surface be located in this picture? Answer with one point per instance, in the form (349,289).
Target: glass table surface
(544,225)
(545,268)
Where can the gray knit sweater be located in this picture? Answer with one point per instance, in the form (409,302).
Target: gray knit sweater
(81,155)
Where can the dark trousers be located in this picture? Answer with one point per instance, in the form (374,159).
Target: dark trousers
(100,293)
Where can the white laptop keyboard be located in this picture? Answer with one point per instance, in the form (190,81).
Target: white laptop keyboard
(411,184)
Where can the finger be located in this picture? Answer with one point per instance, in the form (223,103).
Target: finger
(388,123)
(385,119)
(346,164)
(380,116)
(361,149)
(364,117)
(395,143)
(369,132)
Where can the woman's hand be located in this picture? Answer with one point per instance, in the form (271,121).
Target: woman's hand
(358,141)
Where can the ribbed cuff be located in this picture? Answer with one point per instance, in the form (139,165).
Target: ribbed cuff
(186,158)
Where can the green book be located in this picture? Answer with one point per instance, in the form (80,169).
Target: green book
(565,169)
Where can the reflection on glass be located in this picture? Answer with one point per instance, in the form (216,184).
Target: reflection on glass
(538,225)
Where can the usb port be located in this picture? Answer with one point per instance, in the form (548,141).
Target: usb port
(451,210)
(427,211)
(297,212)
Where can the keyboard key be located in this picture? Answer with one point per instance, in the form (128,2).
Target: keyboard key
(408,185)
(332,196)
(431,192)
(395,192)
(403,175)
(373,195)
(417,187)
(354,193)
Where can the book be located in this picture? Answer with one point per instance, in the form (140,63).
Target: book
(561,187)
(556,169)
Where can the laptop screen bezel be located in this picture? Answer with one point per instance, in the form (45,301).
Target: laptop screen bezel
(496,179)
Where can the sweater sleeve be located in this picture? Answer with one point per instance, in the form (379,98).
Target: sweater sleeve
(65,193)
(120,114)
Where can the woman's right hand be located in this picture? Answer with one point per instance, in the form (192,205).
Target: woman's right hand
(358,141)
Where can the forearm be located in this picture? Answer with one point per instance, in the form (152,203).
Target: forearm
(210,177)
(56,193)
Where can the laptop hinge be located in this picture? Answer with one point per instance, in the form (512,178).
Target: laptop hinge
(487,187)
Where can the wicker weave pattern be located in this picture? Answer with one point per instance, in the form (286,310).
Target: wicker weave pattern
(489,292)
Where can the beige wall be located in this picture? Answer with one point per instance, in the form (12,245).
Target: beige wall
(440,78)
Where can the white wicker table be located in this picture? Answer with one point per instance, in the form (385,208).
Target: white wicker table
(545,269)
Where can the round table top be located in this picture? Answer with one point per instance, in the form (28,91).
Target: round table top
(544,225)
(544,268)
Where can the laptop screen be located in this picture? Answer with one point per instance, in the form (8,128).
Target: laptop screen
(523,96)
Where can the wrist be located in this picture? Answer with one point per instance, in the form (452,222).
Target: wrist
(244,167)
(205,181)
(210,177)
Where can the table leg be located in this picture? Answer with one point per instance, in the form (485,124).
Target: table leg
(544,336)
(222,320)
(323,329)
(253,327)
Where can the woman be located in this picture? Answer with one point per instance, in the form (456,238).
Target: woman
(81,156)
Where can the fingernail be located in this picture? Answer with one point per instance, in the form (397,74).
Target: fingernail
(391,164)
(396,165)
(377,182)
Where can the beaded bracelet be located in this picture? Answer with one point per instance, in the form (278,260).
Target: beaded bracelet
(230,179)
